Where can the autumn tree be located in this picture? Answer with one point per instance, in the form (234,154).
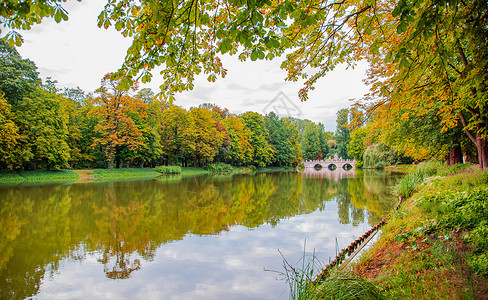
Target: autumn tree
(9,134)
(116,129)
(208,136)
(177,135)
(240,150)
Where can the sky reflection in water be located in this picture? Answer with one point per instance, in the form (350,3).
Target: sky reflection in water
(187,238)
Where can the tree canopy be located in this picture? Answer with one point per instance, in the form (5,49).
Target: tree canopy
(425,55)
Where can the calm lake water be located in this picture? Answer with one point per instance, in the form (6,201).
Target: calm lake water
(208,237)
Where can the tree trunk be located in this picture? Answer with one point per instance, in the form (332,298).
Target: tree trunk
(481,144)
(479,141)
(455,156)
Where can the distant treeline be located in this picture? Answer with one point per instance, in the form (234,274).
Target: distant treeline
(42,127)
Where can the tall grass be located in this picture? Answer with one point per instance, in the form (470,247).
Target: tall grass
(168,169)
(410,182)
(339,285)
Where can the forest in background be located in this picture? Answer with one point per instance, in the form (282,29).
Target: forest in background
(43,127)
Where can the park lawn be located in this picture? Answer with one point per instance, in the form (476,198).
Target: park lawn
(38,176)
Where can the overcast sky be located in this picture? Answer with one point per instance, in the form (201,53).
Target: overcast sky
(78,53)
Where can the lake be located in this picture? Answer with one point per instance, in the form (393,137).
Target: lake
(206,237)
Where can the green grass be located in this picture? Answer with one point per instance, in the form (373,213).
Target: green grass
(193,171)
(273,169)
(38,176)
(10,176)
(219,168)
(168,169)
(339,285)
(126,172)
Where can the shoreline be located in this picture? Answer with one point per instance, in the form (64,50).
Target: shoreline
(92,175)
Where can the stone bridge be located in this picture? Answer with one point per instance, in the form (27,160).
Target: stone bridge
(329,163)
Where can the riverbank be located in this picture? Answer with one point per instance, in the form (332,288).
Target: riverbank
(69,176)
(434,247)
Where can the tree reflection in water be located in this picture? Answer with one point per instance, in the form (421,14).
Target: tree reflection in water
(126,222)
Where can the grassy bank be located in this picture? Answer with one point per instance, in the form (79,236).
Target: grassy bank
(38,176)
(125,173)
(434,247)
(13,177)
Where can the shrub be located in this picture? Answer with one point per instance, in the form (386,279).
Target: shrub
(168,169)
(253,168)
(219,168)
(380,165)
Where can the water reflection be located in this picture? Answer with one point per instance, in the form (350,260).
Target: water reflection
(336,174)
(125,225)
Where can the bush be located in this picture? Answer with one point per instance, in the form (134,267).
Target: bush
(219,168)
(253,168)
(469,211)
(380,165)
(378,154)
(168,169)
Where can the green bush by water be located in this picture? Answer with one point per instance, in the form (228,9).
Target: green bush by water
(168,169)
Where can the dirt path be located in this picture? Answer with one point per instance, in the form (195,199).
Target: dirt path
(85,175)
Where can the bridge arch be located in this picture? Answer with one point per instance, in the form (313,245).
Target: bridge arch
(330,164)
(318,167)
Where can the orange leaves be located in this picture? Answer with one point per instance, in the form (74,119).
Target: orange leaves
(117,115)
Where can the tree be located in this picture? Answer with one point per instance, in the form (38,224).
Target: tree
(311,142)
(427,50)
(146,95)
(22,15)
(18,77)
(279,135)
(9,134)
(240,151)
(177,135)
(342,132)
(116,129)
(356,147)
(262,150)
(75,94)
(208,137)
(43,123)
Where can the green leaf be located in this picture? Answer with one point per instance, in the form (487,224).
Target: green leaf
(57,16)
(254,55)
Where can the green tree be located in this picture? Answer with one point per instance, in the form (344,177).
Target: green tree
(356,147)
(311,142)
(279,135)
(262,150)
(342,132)
(43,122)
(18,77)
